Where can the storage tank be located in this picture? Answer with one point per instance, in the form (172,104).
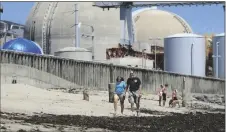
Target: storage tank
(75,53)
(219,62)
(185,54)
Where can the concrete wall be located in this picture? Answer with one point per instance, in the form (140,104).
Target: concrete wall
(34,77)
(98,75)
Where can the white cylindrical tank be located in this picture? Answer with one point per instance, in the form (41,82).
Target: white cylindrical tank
(219,40)
(75,53)
(185,54)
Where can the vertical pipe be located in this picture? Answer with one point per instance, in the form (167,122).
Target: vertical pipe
(5,35)
(155,56)
(1,11)
(192,58)
(33,31)
(129,25)
(142,58)
(30,30)
(76,26)
(145,64)
(184,94)
(92,42)
(92,47)
(217,56)
(123,24)
(79,33)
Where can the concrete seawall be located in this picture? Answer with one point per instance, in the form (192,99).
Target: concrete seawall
(98,75)
(34,77)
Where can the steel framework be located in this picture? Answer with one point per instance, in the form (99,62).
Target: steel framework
(147,4)
(126,13)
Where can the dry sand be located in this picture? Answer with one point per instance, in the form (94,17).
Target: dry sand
(27,99)
(21,98)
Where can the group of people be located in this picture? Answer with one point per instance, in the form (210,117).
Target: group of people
(162,96)
(133,87)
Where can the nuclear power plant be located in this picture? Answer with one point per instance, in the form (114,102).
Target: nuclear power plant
(60,32)
(112,66)
(157,39)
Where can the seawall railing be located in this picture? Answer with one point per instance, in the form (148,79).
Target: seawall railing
(97,75)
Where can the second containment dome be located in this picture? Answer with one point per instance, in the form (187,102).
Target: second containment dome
(150,24)
(185,54)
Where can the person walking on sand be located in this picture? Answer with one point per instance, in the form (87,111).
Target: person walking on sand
(119,93)
(134,86)
(164,92)
(160,94)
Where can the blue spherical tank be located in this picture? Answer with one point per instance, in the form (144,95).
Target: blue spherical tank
(22,45)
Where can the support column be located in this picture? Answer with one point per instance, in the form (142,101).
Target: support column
(111,89)
(184,94)
(129,20)
(76,27)
(122,25)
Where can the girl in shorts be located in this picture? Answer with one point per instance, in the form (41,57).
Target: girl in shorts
(119,93)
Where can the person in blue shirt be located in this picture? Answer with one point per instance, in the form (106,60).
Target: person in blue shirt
(119,93)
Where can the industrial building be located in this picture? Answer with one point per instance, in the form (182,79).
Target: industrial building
(52,26)
(10,30)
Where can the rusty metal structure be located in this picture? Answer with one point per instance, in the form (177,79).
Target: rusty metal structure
(123,51)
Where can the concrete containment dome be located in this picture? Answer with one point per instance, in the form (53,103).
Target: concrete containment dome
(185,54)
(22,45)
(154,23)
(51,24)
(219,63)
(75,53)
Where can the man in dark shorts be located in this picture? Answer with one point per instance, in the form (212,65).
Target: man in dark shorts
(160,94)
(164,92)
(134,86)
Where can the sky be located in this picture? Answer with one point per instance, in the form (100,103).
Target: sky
(202,19)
